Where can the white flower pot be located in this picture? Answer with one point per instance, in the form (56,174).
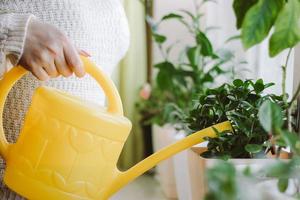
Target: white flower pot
(162,137)
(265,187)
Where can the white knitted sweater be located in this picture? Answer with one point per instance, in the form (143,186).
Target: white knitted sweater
(97,26)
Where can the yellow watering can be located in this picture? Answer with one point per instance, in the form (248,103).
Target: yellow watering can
(68,150)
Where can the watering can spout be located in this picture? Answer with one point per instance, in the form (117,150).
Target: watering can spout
(165,153)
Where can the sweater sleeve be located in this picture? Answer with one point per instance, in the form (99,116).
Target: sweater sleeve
(13,27)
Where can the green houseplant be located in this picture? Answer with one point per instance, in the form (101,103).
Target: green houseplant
(270,118)
(285,173)
(256,19)
(239,103)
(260,126)
(177,80)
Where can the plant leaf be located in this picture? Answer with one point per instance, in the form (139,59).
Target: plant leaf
(259,86)
(233,38)
(206,46)
(159,38)
(164,76)
(253,148)
(269,85)
(292,140)
(287,28)
(283,184)
(240,8)
(171,16)
(279,169)
(259,20)
(193,55)
(270,116)
(238,82)
(191,15)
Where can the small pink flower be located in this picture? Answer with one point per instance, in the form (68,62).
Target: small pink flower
(145,92)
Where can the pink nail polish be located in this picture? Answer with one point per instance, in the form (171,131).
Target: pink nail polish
(86,53)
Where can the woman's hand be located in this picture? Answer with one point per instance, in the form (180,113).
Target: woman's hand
(49,53)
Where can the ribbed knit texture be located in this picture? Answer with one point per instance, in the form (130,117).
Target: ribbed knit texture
(97,26)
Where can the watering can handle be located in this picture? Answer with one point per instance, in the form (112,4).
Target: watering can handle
(16,73)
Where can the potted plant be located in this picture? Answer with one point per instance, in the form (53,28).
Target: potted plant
(281,173)
(176,81)
(244,104)
(239,103)
(262,122)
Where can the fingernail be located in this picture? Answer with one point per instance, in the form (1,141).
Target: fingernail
(86,53)
(83,54)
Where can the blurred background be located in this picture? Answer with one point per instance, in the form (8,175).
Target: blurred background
(136,79)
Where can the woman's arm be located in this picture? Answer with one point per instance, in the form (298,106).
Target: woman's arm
(13,28)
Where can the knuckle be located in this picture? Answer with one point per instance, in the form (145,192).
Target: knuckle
(54,45)
(32,65)
(54,48)
(76,63)
(63,38)
(44,56)
(35,72)
(35,53)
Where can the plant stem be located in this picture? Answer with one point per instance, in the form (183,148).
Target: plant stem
(162,52)
(295,96)
(285,99)
(284,69)
(196,5)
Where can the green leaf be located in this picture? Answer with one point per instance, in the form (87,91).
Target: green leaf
(193,55)
(259,20)
(279,169)
(253,148)
(221,179)
(165,66)
(283,184)
(164,76)
(233,38)
(269,85)
(207,78)
(270,116)
(159,38)
(292,141)
(238,82)
(206,46)
(247,171)
(287,28)
(259,86)
(280,142)
(225,55)
(241,7)
(171,16)
(191,15)
(163,81)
